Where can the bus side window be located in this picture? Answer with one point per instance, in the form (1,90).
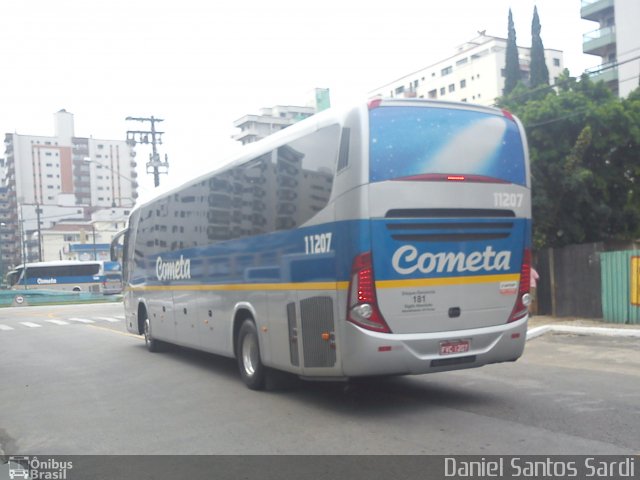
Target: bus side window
(343,155)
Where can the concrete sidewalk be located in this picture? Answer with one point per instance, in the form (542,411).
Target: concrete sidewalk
(539,325)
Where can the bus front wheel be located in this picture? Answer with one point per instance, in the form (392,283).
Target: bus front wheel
(252,371)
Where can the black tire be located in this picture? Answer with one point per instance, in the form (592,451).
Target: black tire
(151,343)
(252,371)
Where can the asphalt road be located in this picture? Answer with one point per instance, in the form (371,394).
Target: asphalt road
(77,383)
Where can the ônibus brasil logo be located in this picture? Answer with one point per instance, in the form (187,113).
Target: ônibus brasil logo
(32,468)
(174,269)
(407,260)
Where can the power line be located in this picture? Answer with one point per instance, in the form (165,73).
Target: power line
(557,119)
(611,65)
(541,88)
(117,172)
(576,112)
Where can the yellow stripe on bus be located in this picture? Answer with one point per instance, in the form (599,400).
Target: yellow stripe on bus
(411,283)
(447,281)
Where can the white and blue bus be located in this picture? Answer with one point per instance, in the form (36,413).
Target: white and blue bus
(392,238)
(71,275)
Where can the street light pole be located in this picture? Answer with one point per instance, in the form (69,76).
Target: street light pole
(22,242)
(95,255)
(128,179)
(24,253)
(2,273)
(38,212)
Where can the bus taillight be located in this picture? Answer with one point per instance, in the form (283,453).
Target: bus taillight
(521,307)
(508,115)
(362,305)
(374,103)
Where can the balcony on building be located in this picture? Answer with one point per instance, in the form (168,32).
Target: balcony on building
(80,143)
(247,126)
(594,10)
(80,152)
(82,185)
(599,42)
(607,73)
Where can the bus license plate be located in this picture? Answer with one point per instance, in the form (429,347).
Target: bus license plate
(449,348)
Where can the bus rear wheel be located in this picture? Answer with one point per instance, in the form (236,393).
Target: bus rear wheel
(252,371)
(151,343)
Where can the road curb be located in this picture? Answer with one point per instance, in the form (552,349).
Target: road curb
(609,332)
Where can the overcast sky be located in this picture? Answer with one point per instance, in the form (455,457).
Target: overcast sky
(201,65)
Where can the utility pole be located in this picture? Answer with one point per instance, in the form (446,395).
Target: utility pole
(38,212)
(154,165)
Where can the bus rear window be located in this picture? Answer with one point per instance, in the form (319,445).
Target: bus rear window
(412,141)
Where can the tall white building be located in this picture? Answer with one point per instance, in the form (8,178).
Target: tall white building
(49,179)
(474,73)
(616,41)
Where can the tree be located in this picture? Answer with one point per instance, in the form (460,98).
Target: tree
(584,143)
(512,63)
(539,70)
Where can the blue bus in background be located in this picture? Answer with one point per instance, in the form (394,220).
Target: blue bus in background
(94,276)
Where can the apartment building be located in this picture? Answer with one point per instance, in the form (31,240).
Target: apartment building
(474,73)
(53,178)
(616,41)
(268,121)
(272,119)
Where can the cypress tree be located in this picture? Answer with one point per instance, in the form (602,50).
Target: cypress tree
(512,64)
(539,70)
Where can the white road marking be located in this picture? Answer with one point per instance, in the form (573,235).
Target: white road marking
(108,319)
(5,327)
(81,320)
(57,322)
(31,324)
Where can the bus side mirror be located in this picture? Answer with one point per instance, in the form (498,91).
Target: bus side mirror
(115,250)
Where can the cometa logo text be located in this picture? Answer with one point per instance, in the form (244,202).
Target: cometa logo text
(406,260)
(173,270)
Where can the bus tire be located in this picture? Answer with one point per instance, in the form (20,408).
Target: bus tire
(252,371)
(151,343)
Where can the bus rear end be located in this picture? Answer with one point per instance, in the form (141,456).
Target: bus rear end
(445,284)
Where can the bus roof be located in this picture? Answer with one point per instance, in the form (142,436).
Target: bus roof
(310,124)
